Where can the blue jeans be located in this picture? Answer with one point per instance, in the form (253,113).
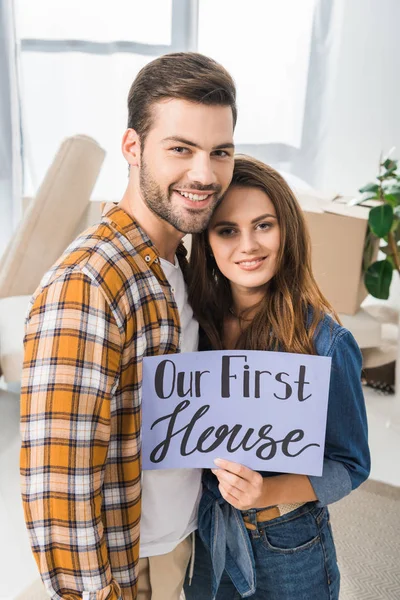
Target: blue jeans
(294,555)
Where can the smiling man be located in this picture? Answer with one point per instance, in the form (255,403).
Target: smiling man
(118,294)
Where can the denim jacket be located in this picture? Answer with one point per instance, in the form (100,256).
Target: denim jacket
(346,462)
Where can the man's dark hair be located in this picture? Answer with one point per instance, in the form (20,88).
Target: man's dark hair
(184,75)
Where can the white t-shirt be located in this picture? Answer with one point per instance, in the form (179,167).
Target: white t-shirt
(170,497)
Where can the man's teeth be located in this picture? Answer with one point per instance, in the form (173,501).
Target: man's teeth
(194,196)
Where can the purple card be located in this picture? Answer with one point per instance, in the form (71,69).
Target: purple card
(266,410)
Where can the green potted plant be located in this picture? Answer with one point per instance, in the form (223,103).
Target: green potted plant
(384,223)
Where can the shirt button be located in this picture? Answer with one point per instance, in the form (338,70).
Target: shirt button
(147,258)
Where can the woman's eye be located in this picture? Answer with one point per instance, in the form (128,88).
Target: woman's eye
(226,232)
(264,226)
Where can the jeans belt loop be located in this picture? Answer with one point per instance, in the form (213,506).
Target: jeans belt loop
(262,515)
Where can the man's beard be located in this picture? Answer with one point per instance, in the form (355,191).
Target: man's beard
(186,221)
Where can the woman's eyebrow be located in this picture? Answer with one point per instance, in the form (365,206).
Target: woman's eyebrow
(266,216)
(232,223)
(225,223)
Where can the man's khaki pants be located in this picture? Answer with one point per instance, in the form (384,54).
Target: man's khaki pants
(161,577)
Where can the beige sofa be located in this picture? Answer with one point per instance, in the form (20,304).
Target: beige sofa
(50,222)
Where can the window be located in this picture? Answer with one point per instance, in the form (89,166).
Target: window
(266,47)
(78,60)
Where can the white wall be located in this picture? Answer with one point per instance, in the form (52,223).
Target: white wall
(362,109)
(361,112)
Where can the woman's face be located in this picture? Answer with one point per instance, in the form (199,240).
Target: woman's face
(244,236)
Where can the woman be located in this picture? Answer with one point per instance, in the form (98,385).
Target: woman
(267,535)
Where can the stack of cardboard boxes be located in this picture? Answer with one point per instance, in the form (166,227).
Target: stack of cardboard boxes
(338,231)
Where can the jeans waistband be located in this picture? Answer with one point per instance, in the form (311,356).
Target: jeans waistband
(259,515)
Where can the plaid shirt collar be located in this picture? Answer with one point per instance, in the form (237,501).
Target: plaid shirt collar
(139,239)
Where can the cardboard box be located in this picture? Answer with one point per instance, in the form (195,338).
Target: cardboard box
(337,236)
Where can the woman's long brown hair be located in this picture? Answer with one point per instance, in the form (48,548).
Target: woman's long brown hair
(293,306)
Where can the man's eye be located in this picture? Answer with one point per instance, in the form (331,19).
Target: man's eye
(180,149)
(221,153)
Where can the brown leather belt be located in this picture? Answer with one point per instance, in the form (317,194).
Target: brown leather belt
(262,515)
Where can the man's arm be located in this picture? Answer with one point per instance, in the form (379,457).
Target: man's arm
(72,360)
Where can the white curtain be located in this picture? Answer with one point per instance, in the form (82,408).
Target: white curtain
(10,130)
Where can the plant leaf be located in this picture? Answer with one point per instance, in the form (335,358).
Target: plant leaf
(388,163)
(392,181)
(368,250)
(392,199)
(378,278)
(380,219)
(393,188)
(389,172)
(370,187)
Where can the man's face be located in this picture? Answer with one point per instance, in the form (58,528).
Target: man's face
(187,162)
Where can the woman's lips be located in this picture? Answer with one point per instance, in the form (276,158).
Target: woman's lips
(251,265)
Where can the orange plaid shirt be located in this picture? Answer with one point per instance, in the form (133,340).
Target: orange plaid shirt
(102,307)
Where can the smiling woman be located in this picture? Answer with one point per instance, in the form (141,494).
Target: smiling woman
(253,289)
(256,253)
(246,246)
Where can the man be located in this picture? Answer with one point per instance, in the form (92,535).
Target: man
(115,296)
